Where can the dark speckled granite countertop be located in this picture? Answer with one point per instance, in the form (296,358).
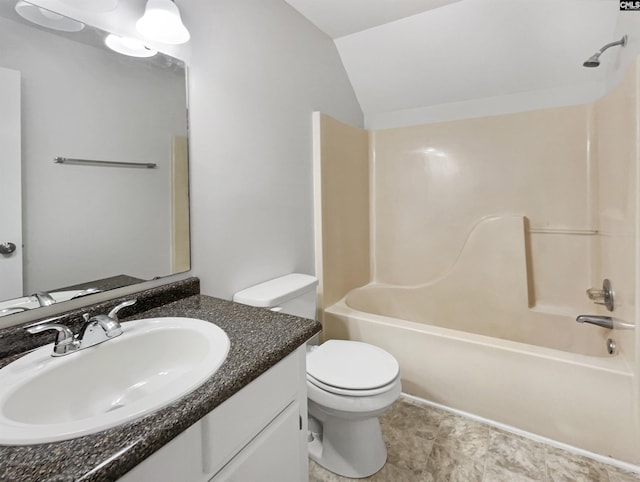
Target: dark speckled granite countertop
(259,339)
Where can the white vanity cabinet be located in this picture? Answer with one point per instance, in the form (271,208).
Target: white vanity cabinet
(259,434)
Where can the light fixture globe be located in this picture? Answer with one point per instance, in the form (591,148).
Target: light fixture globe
(128,46)
(92,5)
(162,22)
(46,18)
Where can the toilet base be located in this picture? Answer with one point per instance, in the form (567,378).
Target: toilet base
(350,448)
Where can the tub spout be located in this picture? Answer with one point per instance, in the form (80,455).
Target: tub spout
(603,321)
(606,322)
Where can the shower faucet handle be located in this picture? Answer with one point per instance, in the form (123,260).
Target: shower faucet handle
(596,295)
(604,296)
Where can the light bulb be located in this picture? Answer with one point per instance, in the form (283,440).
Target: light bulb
(162,22)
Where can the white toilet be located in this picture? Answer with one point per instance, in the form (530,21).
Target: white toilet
(349,384)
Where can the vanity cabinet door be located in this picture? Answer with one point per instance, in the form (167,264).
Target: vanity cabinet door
(271,455)
(178,461)
(235,423)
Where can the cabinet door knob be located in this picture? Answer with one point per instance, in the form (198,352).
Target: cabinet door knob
(7,248)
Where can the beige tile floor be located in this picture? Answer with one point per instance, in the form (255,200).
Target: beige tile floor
(426,444)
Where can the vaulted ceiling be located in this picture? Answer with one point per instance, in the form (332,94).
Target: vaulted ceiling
(338,18)
(412,54)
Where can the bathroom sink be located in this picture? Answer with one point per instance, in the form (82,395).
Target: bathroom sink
(153,363)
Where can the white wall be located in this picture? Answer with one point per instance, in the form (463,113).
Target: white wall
(84,223)
(628,23)
(257,71)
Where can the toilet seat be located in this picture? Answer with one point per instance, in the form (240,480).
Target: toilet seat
(351,368)
(349,392)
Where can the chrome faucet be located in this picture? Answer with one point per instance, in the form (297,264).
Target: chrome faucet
(99,328)
(43,298)
(605,322)
(95,330)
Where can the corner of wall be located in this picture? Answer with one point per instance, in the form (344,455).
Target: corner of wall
(341,180)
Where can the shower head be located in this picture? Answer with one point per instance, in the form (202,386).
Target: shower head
(594,60)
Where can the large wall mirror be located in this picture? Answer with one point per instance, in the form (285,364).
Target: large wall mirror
(82,227)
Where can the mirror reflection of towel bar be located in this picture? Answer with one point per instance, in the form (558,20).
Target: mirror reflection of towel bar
(559,230)
(88,162)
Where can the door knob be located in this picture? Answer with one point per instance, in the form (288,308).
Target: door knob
(7,248)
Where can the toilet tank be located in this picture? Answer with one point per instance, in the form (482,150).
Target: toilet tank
(294,294)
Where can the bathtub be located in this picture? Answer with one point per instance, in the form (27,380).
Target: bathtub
(582,399)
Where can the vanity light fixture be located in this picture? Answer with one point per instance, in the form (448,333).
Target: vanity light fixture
(92,5)
(46,18)
(128,46)
(162,22)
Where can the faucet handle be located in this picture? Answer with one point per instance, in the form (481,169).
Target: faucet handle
(88,291)
(603,296)
(113,314)
(64,339)
(62,330)
(43,298)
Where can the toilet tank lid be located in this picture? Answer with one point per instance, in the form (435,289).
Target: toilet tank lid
(273,292)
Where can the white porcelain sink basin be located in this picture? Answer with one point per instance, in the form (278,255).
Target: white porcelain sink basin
(154,362)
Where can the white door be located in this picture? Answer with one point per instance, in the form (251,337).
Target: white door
(10,186)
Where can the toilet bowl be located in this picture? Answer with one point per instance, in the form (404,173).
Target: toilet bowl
(349,384)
